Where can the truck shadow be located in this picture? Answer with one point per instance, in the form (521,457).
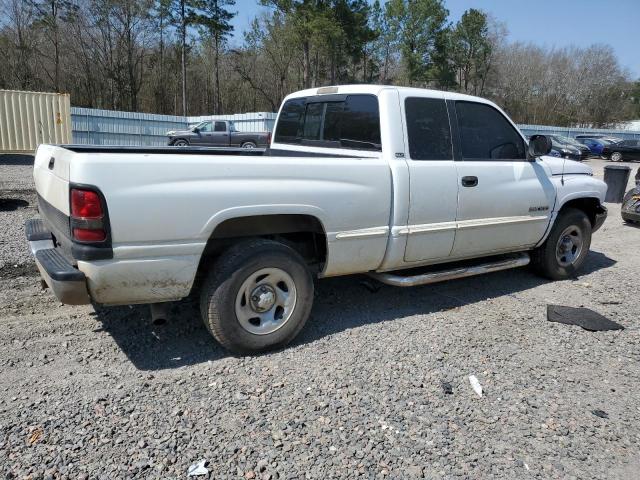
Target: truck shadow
(340,304)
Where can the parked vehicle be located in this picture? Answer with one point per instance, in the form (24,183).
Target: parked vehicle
(218,133)
(569,148)
(595,145)
(600,136)
(626,150)
(358,179)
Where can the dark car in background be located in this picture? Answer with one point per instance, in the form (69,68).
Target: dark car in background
(218,133)
(624,151)
(596,145)
(599,136)
(567,147)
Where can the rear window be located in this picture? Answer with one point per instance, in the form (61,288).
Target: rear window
(351,121)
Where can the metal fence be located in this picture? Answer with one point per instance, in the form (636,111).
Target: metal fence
(105,127)
(572,132)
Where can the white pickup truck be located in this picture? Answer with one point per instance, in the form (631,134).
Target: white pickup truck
(365,179)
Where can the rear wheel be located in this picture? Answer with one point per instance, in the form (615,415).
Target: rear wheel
(249,145)
(566,248)
(257,296)
(616,157)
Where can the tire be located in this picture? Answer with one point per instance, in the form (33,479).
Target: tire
(556,258)
(249,145)
(616,157)
(180,143)
(260,278)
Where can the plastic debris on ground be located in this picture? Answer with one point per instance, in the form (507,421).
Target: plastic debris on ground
(475,384)
(600,413)
(582,317)
(198,469)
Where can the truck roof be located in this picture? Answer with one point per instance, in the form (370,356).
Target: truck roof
(376,89)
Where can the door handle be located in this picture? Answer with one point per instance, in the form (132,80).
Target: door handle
(469,181)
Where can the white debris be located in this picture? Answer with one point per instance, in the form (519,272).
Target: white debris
(475,384)
(198,469)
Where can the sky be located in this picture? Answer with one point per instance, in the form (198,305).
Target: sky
(547,23)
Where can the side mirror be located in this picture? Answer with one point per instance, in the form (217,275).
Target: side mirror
(538,145)
(195,130)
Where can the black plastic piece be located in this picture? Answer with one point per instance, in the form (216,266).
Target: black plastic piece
(89,252)
(57,266)
(469,181)
(36,230)
(583,317)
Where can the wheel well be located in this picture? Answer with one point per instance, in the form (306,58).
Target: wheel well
(303,233)
(590,206)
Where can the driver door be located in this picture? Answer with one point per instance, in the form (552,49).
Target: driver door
(203,134)
(504,200)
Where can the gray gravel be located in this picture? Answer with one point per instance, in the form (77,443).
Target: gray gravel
(105,394)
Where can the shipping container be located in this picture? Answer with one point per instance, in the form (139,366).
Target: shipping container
(28,119)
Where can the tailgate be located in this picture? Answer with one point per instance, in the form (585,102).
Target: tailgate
(51,176)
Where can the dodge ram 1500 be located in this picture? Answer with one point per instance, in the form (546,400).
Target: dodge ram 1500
(377,180)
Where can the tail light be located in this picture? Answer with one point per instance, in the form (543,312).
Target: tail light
(87,216)
(268,139)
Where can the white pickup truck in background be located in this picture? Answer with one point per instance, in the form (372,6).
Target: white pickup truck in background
(357,179)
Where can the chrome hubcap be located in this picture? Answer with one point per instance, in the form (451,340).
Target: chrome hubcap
(265,301)
(569,246)
(616,157)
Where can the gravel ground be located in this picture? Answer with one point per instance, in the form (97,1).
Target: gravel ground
(362,392)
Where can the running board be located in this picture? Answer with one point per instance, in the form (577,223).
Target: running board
(396,280)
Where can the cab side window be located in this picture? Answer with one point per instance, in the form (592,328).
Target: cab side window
(428,129)
(485,134)
(205,127)
(220,127)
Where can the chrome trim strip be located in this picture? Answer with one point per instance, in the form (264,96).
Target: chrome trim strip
(464,224)
(363,233)
(490,222)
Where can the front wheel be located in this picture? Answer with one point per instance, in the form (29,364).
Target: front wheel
(180,143)
(566,248)
(616,157)
(257,296)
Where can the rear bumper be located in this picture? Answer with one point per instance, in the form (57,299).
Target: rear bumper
(68,283)
(601,216)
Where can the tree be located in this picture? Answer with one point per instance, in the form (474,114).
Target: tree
(214,17)
(471,51)
(183,14)
(420,27)
(49,14)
